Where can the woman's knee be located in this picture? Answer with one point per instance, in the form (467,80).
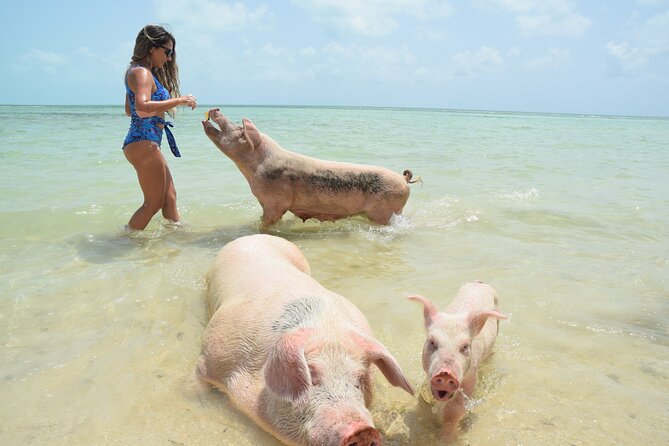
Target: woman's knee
(154,205)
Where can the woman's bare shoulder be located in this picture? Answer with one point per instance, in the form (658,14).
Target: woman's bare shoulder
(138,75)
(138,71)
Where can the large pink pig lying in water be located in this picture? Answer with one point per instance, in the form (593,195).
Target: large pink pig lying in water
(458,340)
(309,188)
(292,355)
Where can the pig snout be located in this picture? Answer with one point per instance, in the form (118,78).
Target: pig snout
(367,436)
(444,385)
(216,116)
(211,131)
(221,137)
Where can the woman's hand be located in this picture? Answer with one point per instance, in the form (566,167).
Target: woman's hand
(189,101)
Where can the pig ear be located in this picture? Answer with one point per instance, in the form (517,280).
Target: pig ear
(381,357)
(251,133)
(429,309)
(477,320)
(286,369)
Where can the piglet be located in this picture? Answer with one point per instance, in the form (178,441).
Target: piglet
(292,355)
(459,339)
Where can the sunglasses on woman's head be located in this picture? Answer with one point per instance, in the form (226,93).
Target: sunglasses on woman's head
(168,51)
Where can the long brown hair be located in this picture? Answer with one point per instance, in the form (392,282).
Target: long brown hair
(152,36)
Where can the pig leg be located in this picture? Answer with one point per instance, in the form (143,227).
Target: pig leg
(453,413)
(238,385)
(379,216)
(201,371)
(270,216)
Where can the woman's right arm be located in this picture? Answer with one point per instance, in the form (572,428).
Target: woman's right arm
(141,82)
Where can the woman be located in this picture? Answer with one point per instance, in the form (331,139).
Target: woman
(152,88)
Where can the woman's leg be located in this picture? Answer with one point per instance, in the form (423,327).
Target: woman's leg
(170,210)
(150,165)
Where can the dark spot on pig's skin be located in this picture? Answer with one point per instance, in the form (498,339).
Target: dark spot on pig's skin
(329,181)
(273,174)
(367,182)
(296,312)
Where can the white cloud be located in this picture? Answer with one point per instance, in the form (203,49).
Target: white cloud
(272,63)
(431,34)
(371,62)
(555,58)
(336,49)
(544,17)
(38,60)
(655,33)
(86,55)
(373,18)
(648,52)
(308,51)
(625,60)
(514,52)
(210,16)
(206,31)
(468,64)
(331,61)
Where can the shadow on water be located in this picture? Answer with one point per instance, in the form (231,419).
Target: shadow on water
(145,245)
(411,426)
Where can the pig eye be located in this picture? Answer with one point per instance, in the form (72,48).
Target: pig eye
(464,349)
(432,345)
(358,383)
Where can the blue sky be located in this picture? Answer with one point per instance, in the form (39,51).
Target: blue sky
(563,56)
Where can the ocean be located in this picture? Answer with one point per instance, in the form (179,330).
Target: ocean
(566,216)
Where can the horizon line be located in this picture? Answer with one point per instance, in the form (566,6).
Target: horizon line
(386,107)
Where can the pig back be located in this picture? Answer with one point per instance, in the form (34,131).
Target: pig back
(258,289)
(257,280)
(473,296)
(255,264)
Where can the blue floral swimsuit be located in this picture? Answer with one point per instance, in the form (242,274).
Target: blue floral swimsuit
(147,129)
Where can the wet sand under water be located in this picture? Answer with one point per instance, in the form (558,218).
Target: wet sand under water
(102,350)
(565,216)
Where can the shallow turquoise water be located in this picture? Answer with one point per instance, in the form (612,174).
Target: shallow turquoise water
(566,216)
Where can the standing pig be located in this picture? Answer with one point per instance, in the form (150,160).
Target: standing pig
(458,341)
(292,355)
(309,188)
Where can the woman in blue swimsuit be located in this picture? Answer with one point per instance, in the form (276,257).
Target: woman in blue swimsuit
(152,88)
